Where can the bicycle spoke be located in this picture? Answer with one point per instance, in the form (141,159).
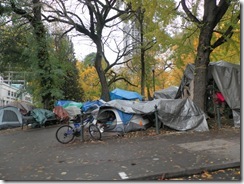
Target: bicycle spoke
(65,134)
(94,132)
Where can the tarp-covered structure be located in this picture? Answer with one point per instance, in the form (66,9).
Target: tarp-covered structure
(24,107)
(92,105)
(71,107)
(68,103)
(61,114)
(167,93)
(227,78)
(178,114)
(124,95)
(41,116)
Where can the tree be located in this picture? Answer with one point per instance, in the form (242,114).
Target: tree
(102,14)
(14,39)
(150,20)
(34,18)
(213,13)
(89,81)
(49,58)
(64,53)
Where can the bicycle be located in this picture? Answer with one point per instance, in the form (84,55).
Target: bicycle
(66,133)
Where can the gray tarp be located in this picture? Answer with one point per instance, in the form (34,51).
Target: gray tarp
(227,78)
(168,93)
(178,114)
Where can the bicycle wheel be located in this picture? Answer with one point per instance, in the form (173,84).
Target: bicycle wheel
(94,132)
(65,134)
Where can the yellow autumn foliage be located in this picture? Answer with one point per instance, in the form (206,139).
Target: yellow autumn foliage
(89,81)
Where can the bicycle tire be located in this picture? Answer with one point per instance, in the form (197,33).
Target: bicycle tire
(94,132)
(65,134)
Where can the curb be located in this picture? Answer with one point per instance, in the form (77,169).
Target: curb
(187,172)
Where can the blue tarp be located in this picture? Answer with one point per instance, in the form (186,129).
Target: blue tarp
(124,95)
(90,104)
(67,103)
(62,102)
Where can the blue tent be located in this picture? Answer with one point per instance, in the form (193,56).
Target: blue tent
(124,95)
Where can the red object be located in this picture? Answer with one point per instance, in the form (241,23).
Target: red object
(220,97)
(61,114)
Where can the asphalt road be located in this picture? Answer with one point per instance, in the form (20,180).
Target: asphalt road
(36,155)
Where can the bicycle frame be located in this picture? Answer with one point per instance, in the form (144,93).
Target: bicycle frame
(77,129)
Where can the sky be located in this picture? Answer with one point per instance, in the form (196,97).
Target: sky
(83,47)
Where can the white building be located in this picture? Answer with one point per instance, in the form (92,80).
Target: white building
(9,93)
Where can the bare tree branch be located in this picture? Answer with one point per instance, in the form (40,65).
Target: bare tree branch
(188,12)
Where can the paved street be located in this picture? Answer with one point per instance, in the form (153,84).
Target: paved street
(35,154)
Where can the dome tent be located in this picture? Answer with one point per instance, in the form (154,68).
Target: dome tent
(10,117)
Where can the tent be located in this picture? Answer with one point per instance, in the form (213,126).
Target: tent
(10,117)
(118,121)
(227,78)
(124,95)
(178,114)
(168,93)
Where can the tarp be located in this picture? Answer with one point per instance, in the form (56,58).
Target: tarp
(178,114)
(168,93)
(227,78)
(24,107)
(68,103)
(42,115)
(61,114)
(124,95)
(92,104)
(73,111)
(10,117)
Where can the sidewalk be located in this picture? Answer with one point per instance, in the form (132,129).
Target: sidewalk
(31,156)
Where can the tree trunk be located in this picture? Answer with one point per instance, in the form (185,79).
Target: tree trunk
(143,72)
(201,64)
(42,55)
(101,74)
